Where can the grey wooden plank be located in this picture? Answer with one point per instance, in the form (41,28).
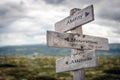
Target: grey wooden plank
(78,61)
(79,74)
(76,41)
(79,18)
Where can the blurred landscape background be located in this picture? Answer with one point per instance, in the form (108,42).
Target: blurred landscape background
(37,62)
(23,26)
(114,50)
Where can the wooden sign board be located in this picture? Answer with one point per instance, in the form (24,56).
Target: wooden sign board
(76,41)
(78,61)
(79,18)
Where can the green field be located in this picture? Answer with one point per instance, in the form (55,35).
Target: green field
(43,68)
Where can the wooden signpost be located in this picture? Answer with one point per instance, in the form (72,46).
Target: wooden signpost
(77,61)
(75,40)
(78,18)
(83,46)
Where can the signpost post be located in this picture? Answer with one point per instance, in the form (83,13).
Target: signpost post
(78,74)
(83,46)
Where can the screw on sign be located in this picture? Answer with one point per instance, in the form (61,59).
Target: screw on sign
(83,46)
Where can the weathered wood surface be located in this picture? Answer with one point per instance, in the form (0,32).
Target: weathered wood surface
(76,41)
(79,74)
(78,18)
(78,61)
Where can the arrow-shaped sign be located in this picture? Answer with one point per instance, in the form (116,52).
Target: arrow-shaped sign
(78,41)
(78,61)
(79,18)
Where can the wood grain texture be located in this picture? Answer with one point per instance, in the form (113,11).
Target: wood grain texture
(79,74)
(76,41)
(78,18)
(77,61)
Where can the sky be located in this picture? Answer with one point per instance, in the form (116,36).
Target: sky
(25,22)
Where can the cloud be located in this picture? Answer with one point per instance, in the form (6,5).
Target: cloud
(54,1)
(9,13)
(110,10)
(26,21)
(20,39)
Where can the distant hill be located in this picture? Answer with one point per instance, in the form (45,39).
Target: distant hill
(114,49)
(30,49)
(43,49)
